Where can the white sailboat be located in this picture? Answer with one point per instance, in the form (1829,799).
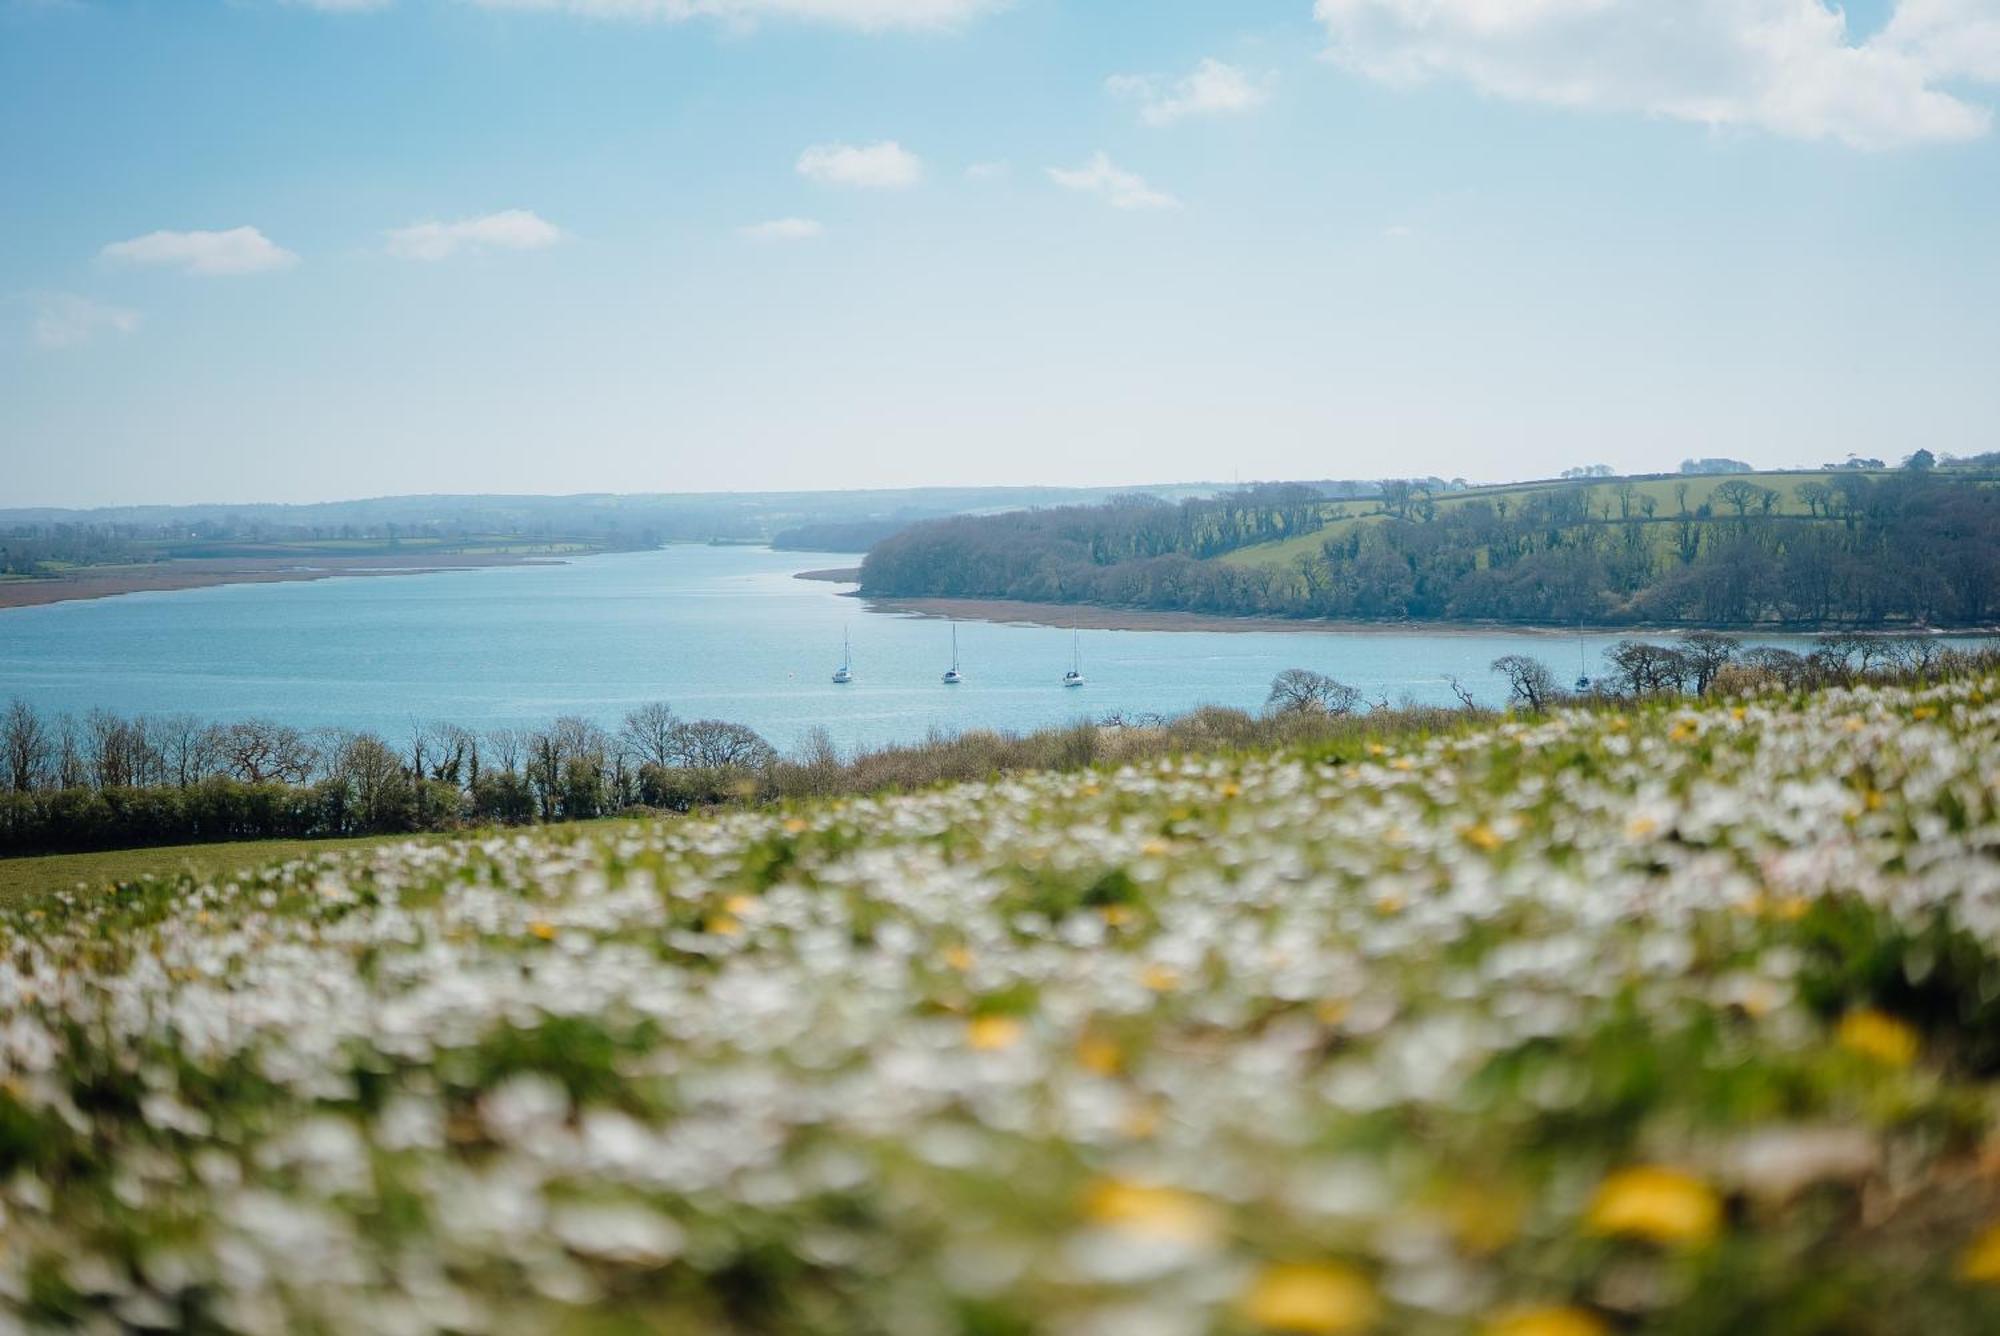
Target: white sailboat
(1074,677)
(845,673)
(952,676)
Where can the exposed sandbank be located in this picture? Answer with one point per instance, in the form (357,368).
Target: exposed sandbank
(207,572)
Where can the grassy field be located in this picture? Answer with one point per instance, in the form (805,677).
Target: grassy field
(1684,1019)
(1665,494)
(25,880)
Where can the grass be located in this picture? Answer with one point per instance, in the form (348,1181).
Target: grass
(26,880)
(1680,1017)
(1663,492)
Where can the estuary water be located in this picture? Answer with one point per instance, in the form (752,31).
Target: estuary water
(716,632)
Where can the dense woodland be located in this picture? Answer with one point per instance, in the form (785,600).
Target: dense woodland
(1918,547)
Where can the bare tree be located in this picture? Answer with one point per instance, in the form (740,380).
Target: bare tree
(1300,690)
(1529,681)
(259,751)
(1708,653)
(1644,669)
(647,733)
(713,744)
(24,745)
(187,748)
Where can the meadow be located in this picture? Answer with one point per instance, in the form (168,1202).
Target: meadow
(1676,1017)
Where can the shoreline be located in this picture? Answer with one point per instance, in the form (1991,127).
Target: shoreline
(94,582)
(1095,617)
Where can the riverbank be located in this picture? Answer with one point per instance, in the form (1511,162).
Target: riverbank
(1092,617)
(90,582)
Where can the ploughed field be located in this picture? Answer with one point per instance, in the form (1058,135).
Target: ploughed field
(1680,1020)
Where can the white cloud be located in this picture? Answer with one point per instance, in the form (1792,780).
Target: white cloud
(1787,67)
(63,320)
(884,166)
(783,229)
(511,229)
(240,250)
(1118,188)
(865,14)
(1213,89)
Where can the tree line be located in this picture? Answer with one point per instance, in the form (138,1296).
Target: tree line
(1918,547)
(104,780)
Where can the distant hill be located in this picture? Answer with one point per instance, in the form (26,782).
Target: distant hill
(1828,547)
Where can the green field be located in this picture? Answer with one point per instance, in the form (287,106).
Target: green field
(1665,494)
(1681,1019)
(25,880)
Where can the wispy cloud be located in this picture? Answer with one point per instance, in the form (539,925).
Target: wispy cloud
(864,14)
(1115,186)
(64,320)
(1212,89)
(239,250)
(511,229)
(783,229)
(883,166)
(1788,67)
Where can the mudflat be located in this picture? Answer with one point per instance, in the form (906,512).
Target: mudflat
(204,572)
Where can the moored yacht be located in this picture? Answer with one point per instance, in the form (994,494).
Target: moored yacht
(1074,677)
(845,673)
(952,676)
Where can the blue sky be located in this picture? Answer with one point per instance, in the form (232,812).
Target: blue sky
(301,249)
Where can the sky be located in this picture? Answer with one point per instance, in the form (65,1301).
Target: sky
(294,250)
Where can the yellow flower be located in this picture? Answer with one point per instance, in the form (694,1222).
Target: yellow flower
(795,825)
(989,1034)
(1980,1263)
(721,925)
(1315,1299)
(1097,1054)
(1153,848)
(1161,978)
(1483,837)
(1924,712)
(1656,1203)
(1878,1035)
(739,904)
(1551,1321)
(1231,790)
(543,929)
(1151,1210)
(958,958)
(1639,827)
(1853,725)
(1683,732)
(1116,916)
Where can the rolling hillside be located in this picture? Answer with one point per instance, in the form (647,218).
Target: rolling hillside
(1680,1019)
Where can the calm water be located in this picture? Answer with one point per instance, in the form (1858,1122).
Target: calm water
(716,632)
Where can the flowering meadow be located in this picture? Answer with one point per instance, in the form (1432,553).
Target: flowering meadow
(1682,1019)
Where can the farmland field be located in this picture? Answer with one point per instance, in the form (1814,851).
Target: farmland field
(1666,495)
(1684,1018)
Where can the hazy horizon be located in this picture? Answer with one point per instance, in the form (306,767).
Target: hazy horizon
(281,251)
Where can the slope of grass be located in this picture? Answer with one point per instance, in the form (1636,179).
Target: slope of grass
(1685,1019)
(1665,494)
(26,880)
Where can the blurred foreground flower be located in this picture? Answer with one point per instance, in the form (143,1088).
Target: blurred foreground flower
(1656,1203)
(1317,1300)
(1878,1035)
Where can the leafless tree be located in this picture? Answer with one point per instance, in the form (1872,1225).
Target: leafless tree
(714,744)
(25,742)
(259,751)
(1300,690)
(647,733)
(1529,681)
(1708,653)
